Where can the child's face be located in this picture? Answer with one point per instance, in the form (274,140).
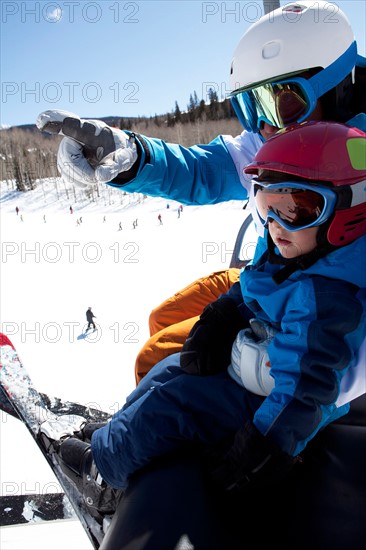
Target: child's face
(293,243)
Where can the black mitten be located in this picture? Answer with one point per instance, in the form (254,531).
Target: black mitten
(207,349)
(252,459)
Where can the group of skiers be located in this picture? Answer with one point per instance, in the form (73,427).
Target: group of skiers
(252,363)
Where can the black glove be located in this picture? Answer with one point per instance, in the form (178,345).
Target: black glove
(207,349)
(253,459)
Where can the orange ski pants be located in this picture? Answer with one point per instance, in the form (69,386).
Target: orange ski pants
(171,322)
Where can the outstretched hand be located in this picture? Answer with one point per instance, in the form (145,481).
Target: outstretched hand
(91,151)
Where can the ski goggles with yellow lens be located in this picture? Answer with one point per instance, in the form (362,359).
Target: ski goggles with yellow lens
(277,103)
(294,205)
(290,100)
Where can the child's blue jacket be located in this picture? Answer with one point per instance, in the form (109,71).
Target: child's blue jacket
(321,316)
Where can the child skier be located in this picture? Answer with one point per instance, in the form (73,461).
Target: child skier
(296,319)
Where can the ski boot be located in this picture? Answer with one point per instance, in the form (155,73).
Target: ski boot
(69,437)
(77,463)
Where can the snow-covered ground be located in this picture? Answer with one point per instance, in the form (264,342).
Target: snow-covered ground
(52,269)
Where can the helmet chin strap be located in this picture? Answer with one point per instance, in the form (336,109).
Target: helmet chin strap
(291,265)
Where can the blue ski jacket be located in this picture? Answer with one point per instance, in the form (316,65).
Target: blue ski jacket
(201,174)
(320,314)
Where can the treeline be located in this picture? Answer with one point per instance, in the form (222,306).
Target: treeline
(27,155)
(197,110)
(200,110)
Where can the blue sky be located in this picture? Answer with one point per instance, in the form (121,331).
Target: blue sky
(125,58)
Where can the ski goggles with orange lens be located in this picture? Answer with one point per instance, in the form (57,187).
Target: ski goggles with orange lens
(294,205)
(289,101)
(277,103)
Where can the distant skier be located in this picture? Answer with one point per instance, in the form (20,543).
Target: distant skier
(160,219)
(71,210)
(89,317)
(17,210)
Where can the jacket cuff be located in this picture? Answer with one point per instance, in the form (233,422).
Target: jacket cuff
(143,157)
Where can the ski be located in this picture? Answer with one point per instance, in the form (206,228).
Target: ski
(32,508)
(33,411)
(58,406)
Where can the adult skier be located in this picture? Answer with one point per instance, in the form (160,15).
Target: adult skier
(290,66)
(90,318)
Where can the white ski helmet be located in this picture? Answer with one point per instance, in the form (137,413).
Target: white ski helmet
(292,39)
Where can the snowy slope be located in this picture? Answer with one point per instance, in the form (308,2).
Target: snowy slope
(52,269)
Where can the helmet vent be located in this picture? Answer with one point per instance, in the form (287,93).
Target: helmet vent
(354,222)
(271,49)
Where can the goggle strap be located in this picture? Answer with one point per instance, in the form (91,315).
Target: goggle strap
(358,193)
(239,114)
(328,78)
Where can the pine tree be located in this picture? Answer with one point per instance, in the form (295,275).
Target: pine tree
(192,107)
(177,113)
(201,109)
(170,120)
